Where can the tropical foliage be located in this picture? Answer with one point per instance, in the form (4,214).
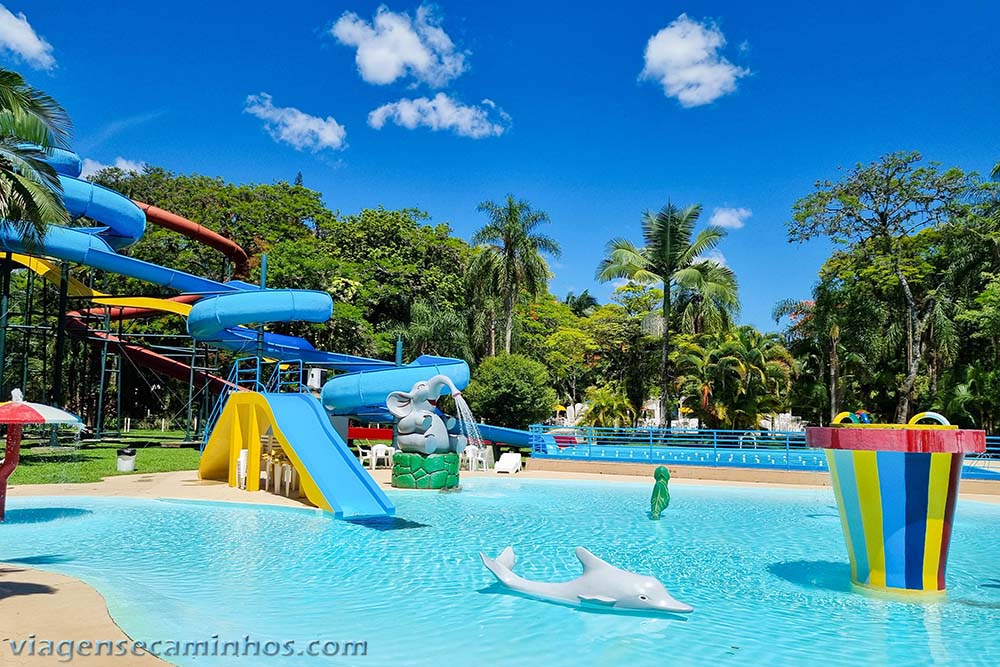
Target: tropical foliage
(905,314)
(510,260)
(511,390)
(31,124)
(674,257)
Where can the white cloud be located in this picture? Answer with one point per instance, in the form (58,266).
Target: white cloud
(394,46)
(19,38)
(91,167)
(715,256)
(296,128)
(729,218)
(442,113)
(684,58)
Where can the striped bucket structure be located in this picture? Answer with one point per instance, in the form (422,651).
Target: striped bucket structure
(896,487)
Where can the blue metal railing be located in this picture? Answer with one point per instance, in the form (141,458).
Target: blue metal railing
(287,377)
(985,465)
(785,450)
(247,374)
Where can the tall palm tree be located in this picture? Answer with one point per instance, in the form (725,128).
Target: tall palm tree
(31,123)
(672,256)
(510,255)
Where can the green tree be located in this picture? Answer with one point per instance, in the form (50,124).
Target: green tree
(538,319)
(736,377)
(569,357)
(436,330)
(879,206)
(638,299)
(671,257)
(625,355)
(707,300)
(608,406)
(511,390)
(31,124)
(511,256)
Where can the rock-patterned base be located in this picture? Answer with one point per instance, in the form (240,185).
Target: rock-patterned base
(420,471)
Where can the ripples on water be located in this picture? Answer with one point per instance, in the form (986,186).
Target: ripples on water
(766,571)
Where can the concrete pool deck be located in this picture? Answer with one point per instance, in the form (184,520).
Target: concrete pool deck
(57,607)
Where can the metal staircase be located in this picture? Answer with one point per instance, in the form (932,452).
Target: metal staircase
(250,374)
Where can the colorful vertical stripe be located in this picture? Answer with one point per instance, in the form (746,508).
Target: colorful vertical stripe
(897,510)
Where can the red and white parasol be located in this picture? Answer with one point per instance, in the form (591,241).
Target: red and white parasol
(16,413)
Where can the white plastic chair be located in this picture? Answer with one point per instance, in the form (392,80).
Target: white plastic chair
(241,469)
(381,453)
(470,454)
(480,458)
(365,455)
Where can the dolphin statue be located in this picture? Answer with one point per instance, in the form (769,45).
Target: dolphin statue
(602,586)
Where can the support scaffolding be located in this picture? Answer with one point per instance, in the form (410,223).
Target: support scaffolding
(77,358)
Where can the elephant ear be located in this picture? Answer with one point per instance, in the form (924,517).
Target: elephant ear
(399,403)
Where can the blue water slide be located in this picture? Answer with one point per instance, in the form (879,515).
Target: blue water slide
(336,472)
(505,436)
(364,393)
(210,318)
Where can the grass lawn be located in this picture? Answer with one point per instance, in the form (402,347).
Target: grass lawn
(93,462)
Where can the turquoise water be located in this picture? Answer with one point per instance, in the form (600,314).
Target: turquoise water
(766,571)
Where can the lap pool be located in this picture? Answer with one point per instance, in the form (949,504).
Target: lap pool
(765,569)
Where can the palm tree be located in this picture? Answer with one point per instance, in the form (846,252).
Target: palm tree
(31,124)
(996,172)
(607,406)
(435,330)
(510,257)
(707,298)
(673,257)
(767,369)
(582,304)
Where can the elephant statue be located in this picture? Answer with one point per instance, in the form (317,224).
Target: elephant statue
(419,427)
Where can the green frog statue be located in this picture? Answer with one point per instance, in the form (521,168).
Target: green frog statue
(661,494)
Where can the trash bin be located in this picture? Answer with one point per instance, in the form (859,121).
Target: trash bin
(126,460)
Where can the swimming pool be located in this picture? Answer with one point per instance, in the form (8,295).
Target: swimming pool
(765,569)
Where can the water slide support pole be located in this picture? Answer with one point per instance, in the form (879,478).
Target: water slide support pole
(99,426)
(260,329)
(190,405)
(399,350)
(4,303)
(57,364)
(26,352)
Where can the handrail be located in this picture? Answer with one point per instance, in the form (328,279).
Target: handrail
(753,448)
(247,373)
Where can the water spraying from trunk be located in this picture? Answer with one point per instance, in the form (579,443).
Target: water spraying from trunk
(467,422)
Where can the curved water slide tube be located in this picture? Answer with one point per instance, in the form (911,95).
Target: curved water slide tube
(122,223)
(221,308)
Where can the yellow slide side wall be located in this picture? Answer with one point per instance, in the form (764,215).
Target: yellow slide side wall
(246,417)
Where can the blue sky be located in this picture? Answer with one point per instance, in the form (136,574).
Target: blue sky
(592,114)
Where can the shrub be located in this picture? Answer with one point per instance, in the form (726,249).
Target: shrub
(511,390)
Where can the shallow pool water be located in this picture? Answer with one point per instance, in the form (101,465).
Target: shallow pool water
(765,569)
